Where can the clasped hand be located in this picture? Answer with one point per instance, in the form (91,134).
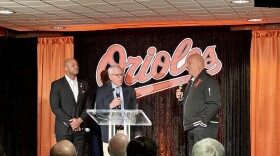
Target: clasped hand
(75,124)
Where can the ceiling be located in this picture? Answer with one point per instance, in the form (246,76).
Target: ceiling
(81,15)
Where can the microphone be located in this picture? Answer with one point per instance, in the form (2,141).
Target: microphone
(118,96)
(180,88)
(118,92)
(180,85)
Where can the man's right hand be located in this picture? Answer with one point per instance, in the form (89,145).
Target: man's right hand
(116,102)
(179,93)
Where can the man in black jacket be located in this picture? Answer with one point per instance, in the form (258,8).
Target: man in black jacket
(69,101)
(201,102)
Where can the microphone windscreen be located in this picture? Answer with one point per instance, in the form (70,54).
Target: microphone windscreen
(117,92)
(87,129)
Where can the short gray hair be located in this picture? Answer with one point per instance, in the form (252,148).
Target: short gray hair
(110,69)
(208,147)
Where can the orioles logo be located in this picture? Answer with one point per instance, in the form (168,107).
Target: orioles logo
(139,70)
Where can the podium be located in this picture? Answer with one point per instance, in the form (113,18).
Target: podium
(114,117)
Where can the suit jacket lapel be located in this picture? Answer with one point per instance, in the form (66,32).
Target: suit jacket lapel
(109,91)
(125,96)
(67,88)
(80,86)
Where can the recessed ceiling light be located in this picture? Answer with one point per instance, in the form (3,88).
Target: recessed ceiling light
(6,12)
(240,1)
(58,27)
(255,20)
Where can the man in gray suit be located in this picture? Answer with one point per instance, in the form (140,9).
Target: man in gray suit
(114,95)
(68,99)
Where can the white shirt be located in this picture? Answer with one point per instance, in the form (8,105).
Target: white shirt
(74,86)
(121,94)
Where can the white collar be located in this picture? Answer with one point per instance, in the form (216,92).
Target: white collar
(68,78)
(193,78)
(114,86)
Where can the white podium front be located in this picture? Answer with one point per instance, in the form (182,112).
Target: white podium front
(113,118)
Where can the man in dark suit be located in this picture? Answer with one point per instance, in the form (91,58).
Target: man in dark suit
(68,99)
(114,95)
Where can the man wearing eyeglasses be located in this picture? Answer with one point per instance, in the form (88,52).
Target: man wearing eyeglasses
(114,95)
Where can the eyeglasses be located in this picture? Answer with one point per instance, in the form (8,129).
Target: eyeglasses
(118,75)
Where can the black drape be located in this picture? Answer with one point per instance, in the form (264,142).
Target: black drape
(18,102)
(233,49)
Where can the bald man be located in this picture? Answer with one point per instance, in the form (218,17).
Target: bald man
(69,102)
(208,147)
(63,148)
(201,101)
(117,145)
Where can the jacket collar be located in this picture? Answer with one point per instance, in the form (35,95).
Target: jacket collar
(200,75)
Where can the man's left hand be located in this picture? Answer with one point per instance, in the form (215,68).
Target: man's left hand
(75,123)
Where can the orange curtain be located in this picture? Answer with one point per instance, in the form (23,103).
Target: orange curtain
(265,93)
(52,52)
